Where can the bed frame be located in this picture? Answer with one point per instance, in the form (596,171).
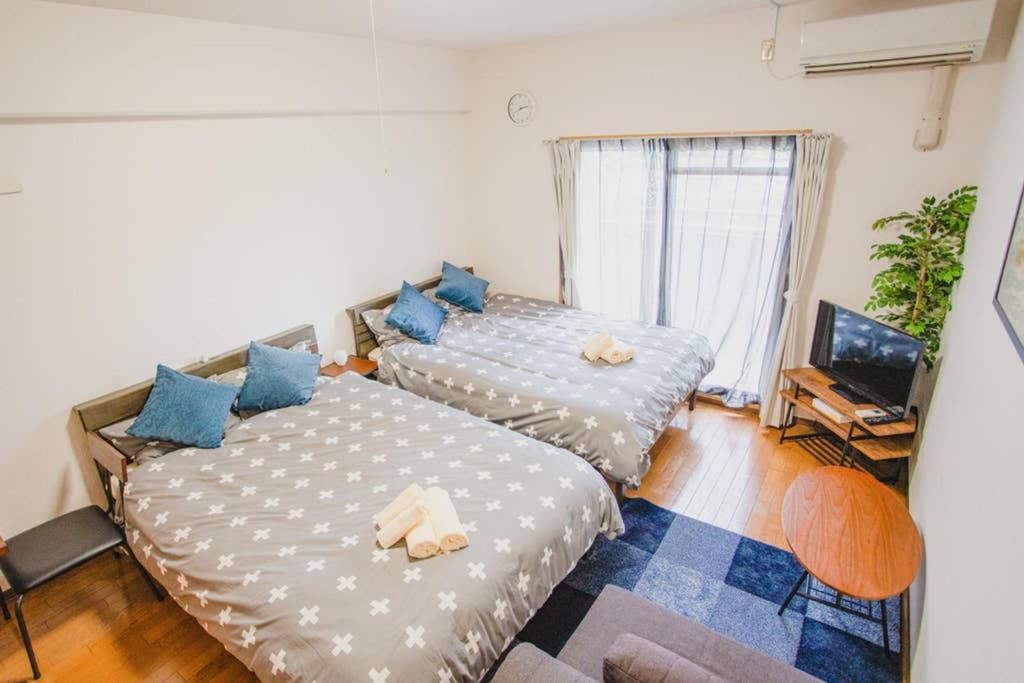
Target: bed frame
(124,403)
(364,339)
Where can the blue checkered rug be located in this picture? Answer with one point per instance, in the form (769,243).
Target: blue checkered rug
(727,582)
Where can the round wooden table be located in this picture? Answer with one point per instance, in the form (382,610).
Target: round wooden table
(852,534)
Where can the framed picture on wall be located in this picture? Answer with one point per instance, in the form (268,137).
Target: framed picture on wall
(1009,299)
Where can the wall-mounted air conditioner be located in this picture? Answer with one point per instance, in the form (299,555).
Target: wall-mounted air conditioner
(952,33)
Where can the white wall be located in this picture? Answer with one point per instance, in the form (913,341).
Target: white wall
(966,490)
(704,74)
(142,242)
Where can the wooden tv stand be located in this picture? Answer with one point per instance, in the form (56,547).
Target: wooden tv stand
(877,442)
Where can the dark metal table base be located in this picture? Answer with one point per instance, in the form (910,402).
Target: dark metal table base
(836,603)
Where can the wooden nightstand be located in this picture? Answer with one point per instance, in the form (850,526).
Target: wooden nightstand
(363,366)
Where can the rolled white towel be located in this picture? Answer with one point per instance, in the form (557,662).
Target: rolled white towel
(410,495)
(421,541)
(618,352)
(393,532)
(596,345)
(445,520)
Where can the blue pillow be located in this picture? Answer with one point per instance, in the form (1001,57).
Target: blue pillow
(277,378)
(462,288)
(416,315)
(184,409)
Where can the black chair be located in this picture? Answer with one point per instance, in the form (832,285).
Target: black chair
(53,548)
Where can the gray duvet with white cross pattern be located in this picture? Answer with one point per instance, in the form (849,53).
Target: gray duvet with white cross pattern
(520,364)
(269,542)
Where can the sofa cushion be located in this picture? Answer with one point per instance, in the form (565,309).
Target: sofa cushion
(633,659)
(618,611)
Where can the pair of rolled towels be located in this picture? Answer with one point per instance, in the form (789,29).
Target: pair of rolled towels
(425,518)
(607,348)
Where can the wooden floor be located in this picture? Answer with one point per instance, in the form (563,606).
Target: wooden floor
(101,623)
(726,470)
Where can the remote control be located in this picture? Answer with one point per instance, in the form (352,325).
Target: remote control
(881,419)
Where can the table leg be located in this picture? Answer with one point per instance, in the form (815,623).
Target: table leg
(793,592)
(786,417)
(885,628)
(846,446)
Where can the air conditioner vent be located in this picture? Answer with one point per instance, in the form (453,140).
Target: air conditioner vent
(891,62)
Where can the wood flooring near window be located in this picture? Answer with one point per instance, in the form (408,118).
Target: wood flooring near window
(101,623)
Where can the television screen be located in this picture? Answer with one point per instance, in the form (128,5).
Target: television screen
(871,358)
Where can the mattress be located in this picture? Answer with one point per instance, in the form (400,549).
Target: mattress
(519,364)
(268,540)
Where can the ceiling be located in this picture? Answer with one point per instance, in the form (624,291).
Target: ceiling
(452,23)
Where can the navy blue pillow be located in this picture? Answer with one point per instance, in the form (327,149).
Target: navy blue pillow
(416,315)
(184,409)
(277,378)
(462,288)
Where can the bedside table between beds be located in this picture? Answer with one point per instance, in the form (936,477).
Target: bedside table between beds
(362,366)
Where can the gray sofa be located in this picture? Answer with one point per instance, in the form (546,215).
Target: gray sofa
(626,639)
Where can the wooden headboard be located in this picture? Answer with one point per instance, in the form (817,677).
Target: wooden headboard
(121,404)
(365,341)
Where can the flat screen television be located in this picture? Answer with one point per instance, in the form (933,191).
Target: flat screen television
(870,361)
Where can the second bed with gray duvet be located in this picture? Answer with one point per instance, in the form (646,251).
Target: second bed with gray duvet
(519,364)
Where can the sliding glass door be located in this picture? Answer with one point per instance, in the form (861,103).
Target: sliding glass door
(690,233)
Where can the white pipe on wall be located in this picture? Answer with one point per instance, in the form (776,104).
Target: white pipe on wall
(933,119)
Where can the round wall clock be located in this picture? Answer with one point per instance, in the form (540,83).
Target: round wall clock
(521,108)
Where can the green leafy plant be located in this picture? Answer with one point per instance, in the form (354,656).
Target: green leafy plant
(913,292)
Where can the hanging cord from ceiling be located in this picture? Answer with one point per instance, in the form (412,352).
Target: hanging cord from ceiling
(768,46)
(380,99)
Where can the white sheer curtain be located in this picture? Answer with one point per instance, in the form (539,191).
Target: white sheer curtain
(690,233)
(565,156)
(620,226)
(810,174)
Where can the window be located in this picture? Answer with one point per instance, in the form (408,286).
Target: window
(689,233)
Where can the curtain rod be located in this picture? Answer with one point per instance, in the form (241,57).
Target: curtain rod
(696,134)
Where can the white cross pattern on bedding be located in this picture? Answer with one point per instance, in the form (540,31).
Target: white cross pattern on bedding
(520,364)
(269,541)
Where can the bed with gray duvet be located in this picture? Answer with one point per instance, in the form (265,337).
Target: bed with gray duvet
(519,364)
(269,541)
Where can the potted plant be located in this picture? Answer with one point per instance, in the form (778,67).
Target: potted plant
(913,292)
